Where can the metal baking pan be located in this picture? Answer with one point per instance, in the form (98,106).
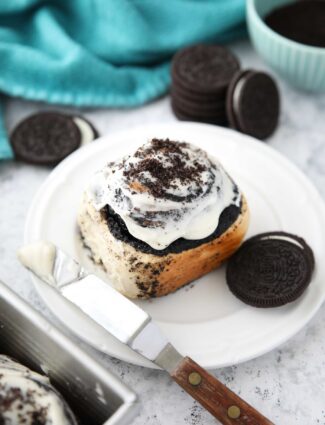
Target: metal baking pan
(95,395)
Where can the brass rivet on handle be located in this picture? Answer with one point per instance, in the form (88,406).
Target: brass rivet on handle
(194,378)
(233,412)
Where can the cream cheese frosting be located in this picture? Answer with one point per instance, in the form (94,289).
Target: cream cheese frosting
(164,191)
(39,257)
(27,397)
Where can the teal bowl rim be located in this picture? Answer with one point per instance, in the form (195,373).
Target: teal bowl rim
(251,9)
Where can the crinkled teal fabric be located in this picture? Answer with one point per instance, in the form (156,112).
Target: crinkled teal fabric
(102,53)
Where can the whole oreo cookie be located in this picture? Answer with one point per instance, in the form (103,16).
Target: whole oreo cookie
(204,68)
(253,103)
(270,269)
(200,77)
(45,138)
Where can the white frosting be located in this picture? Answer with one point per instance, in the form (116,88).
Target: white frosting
(100,393)
(237,92)
(188,204)
(86,131)
(30,394)
(39,257)
(284,238)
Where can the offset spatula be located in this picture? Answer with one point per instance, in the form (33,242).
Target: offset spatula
(134,327)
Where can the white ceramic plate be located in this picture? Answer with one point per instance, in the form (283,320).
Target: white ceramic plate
(203,320)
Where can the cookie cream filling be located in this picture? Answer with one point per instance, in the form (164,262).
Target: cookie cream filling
(28,397)
(165,191)
(87,133)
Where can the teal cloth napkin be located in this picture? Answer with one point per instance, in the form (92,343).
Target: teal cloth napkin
(101,53)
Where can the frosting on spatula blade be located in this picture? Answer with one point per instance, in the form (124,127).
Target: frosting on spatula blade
(50,264)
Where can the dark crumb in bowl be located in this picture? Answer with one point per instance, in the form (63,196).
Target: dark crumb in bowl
(301,21)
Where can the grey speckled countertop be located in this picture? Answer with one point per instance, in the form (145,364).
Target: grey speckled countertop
(288,384)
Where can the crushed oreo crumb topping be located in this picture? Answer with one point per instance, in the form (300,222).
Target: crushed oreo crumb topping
(164,175)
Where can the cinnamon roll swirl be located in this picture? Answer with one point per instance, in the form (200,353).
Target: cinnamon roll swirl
(146,214)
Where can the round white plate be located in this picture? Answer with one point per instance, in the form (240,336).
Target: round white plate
(203,320)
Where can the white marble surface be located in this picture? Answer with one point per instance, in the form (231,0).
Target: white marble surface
(288,384)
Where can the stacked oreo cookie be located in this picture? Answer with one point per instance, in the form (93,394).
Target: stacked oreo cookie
(208,86)
(200,78)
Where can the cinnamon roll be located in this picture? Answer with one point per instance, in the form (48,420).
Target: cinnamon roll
(28,398)
(161,217)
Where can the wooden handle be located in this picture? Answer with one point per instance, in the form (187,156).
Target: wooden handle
(221,402)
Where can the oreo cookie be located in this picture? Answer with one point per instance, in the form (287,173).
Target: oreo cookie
(200,78)
(45,138)
(270,269)
(209,114)
(199,108)
(208,119)
(204,68)
(253,103)
(197,98)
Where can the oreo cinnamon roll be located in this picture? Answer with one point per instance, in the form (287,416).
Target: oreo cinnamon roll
(28,398)
(161,217)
